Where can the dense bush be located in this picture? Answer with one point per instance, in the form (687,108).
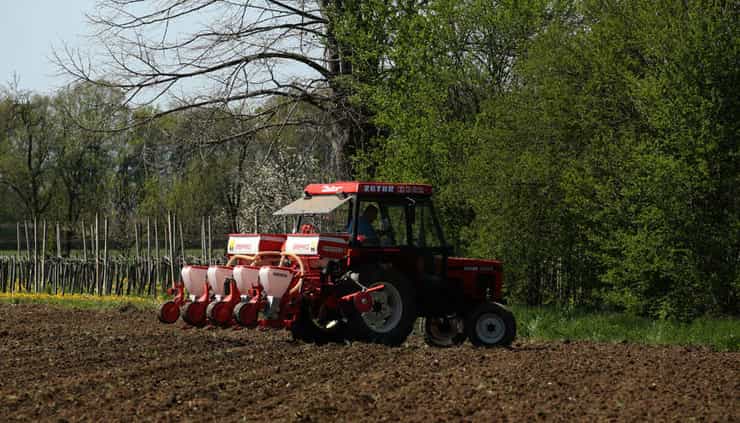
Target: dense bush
(590,145)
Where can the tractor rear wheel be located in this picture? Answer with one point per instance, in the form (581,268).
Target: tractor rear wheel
(491,325)
(391,319)
(194,314)
(169,312)
(443,331)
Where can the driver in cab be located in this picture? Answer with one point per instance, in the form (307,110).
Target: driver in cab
(365,231)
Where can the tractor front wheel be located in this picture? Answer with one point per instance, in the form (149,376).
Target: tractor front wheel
(391,318)
(491,325)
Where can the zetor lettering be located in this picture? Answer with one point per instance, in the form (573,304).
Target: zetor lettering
(332,286)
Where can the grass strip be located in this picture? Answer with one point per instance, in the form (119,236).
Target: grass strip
(83,301)
(549,323)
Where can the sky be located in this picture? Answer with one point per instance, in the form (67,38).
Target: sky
(29,29)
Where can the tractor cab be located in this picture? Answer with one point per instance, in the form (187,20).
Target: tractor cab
(377,223)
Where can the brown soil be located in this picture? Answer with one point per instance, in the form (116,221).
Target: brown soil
(69,365)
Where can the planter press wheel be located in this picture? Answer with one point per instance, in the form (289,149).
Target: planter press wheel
(219,314)
(194,314)
(443,331)
(169,312)
(245,314)
(313,325)
(491,325)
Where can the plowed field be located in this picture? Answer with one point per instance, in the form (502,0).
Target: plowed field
(69,365)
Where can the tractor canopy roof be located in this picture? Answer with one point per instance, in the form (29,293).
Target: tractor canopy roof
(325,198)
(369,188)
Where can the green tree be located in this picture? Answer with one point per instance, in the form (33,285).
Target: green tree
(437,63)
(626,114)
(590,144)
(82,156)
(26,138)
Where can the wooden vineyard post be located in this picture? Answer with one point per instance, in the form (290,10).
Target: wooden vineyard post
(166,248)
(28,241)
(43,257)
(35,256)
(182,244)
(97,256)
(59,243)
(14,273)
(148,259)
(156,255)
(210,243)
(172,248)
(128,278)
(58,266)
(61,277)
(106,271)
(169,250)
(202,239)
(136,261)
(84,245)
(88,280)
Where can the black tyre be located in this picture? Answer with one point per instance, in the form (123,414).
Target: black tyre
(392,317)
(443,331)
(491,325)
(314,326)
(194,314)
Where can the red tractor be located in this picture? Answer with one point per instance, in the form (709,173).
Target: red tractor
(364,261)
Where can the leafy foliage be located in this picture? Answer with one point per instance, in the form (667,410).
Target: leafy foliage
(591,145)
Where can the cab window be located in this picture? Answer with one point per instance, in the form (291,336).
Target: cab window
(425,231)
(335,221)
(382,223)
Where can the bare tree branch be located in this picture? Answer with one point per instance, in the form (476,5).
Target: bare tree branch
(235,55)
